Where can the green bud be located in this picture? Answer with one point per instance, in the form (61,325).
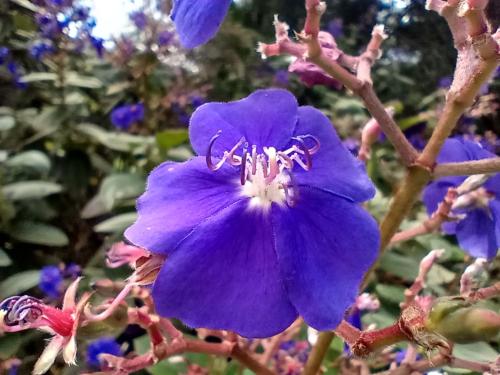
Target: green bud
(460,322)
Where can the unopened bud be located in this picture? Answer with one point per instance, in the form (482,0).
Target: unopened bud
(472,183)
(458,321)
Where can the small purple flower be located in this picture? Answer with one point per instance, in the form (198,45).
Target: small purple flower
(197,21)
(416,135)
(140,19)
(164,38)
(123,117)
(478,231)
(98,44)
(282,77)
(4,54)
(264,225)
(106,345)
(40,49)
(196,101)
(352,144)
(336,27)
(445,82)
(309,73)
(51,281)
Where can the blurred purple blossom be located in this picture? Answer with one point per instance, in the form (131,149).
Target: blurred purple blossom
(282,77)
(51,281)
(478,222)
(41,48)
(124,116)
(139,18)
(4,54)
(336,27)
(105,345)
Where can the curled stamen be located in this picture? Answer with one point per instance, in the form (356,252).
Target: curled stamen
(285,159)
(305,151)
(210,164)
(21,310)
(243,168)
(316,146)
(234,160)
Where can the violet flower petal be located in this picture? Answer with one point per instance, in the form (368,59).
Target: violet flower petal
(179,196)
(334,169)
(197,21)
(324,244)
(225,275)
(476,234)
(264,118)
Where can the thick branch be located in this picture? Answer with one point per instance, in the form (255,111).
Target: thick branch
(467,168)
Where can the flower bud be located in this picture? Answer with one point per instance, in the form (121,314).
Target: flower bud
(458,321)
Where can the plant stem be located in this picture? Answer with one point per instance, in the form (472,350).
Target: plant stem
(467,168)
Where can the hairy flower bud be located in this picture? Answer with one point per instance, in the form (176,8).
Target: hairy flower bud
(458,321)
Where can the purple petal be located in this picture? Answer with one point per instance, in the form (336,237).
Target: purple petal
(225,275)
(197,21)
(179,196)
(325,245)
(495,211)
(265,118)
(334,169)
(457,150)
(476,234)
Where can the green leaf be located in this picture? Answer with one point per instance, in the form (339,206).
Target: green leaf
(171,138)
(479,351)
(402,266)
(74,79)
(116,224)
(33,159)
(18,283)
(39,77)
(9,345)
(116,141)
(30,190)
(114,189)
(39,233)
(27,4)
(7,123)
(391,293)
(439,275)
(5,261)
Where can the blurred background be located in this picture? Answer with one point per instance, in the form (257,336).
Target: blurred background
(94,94)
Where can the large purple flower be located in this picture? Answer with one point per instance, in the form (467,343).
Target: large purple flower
(197,21)
(478,232)
(264,225)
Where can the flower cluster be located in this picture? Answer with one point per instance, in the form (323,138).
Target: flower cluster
(264,225)
(123,117)
(477,213)
(63,26)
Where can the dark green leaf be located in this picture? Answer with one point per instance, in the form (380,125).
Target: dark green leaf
(116,224)
(30,190)
(39,233)
(19,283)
